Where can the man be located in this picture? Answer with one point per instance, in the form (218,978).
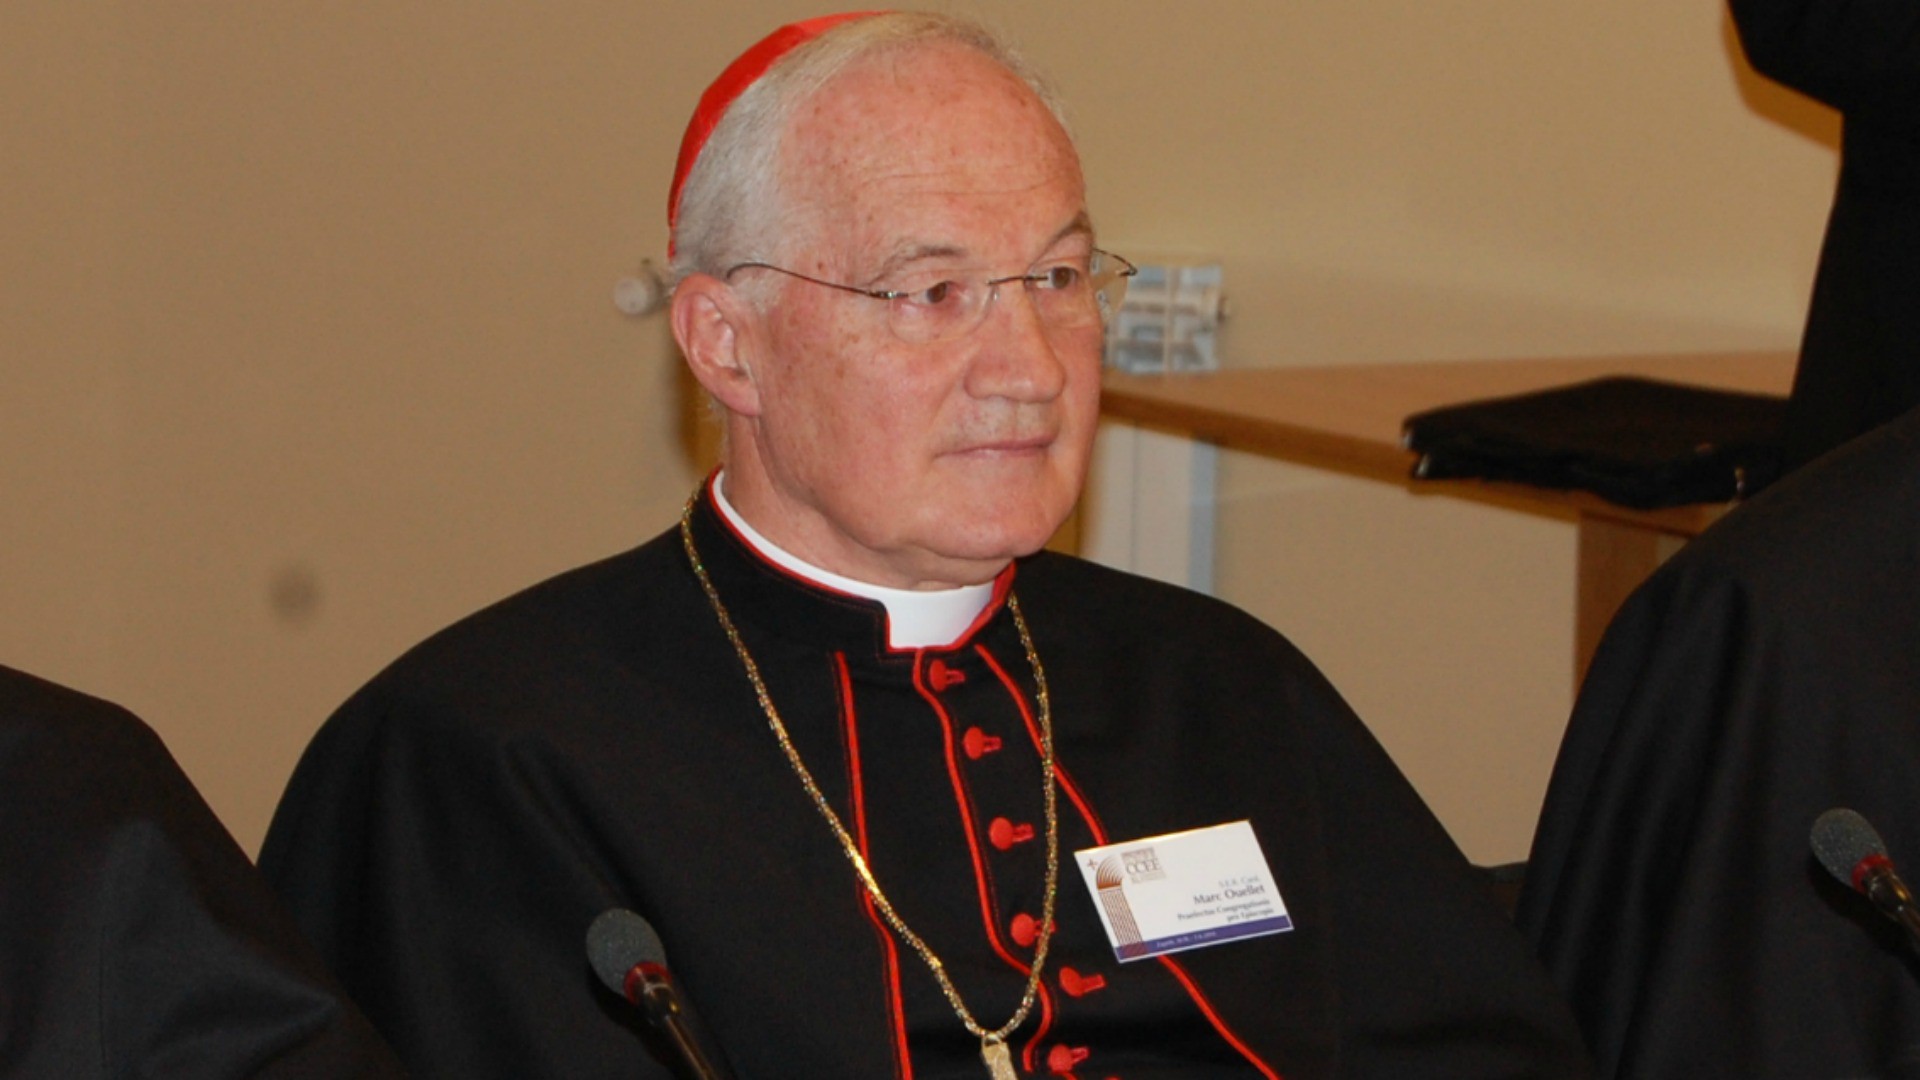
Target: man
(1768,673)
(1860,356)
(808,733)
(135,938)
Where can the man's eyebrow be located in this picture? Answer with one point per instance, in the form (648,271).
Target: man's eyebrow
(916,253)
(1081,225)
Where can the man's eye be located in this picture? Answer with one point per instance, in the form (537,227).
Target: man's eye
(1058,277)
(938,294)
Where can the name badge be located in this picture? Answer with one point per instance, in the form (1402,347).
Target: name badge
(1183,890)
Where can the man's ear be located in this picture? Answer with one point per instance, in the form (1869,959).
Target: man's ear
(716,330)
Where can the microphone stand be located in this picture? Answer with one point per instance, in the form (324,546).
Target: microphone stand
(1891,896)
(651,988)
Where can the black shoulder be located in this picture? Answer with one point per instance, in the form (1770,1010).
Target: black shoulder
(47,729)
(1846,524)
(1148,640)
(604,612)
(1123,607)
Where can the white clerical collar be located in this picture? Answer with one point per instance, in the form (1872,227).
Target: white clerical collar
(915,619)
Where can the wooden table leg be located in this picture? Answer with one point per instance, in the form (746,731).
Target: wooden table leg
(1614,558)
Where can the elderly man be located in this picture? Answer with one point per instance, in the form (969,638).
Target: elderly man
(903,796)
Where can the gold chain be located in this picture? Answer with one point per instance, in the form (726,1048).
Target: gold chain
(989,1040)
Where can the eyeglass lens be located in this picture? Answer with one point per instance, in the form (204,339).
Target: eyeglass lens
(1064,298)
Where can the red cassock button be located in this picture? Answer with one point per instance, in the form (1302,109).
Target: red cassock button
(1076,984)
(1025,930)
(978,742)
(1062,1059)
(1004,834)
(943,676)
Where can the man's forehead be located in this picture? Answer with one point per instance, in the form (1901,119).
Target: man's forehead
(931,159)
(873,234)
(920,111)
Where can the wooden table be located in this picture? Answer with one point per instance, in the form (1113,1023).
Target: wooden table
(1347,419)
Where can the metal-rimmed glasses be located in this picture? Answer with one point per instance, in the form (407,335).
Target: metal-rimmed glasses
(1067,295)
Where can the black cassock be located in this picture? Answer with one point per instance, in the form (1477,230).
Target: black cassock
(1860,357)
(136,940)
(594,742)
(1769,672)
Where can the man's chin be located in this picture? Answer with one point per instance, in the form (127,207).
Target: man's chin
(1001,545)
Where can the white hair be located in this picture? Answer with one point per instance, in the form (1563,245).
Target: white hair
(731,203)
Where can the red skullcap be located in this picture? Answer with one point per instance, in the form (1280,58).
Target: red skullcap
(742,73)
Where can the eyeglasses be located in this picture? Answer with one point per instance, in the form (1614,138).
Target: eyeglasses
(1068,295)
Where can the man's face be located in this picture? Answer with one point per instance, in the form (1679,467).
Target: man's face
(931,464)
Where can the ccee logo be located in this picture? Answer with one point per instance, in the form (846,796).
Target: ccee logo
(1142,864)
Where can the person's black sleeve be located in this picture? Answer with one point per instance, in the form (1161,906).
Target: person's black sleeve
(136,939)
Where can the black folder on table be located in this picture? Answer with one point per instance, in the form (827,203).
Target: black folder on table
(1638,442)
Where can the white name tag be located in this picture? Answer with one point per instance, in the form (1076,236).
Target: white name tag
(1165,894)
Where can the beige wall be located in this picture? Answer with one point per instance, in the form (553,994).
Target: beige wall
(308,347)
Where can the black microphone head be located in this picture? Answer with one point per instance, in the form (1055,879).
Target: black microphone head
(619,940)
(1841,838)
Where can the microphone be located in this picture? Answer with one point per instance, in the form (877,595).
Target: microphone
(626,953)
(1852,851)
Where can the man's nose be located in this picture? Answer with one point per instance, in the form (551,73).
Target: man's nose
(1019,356)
